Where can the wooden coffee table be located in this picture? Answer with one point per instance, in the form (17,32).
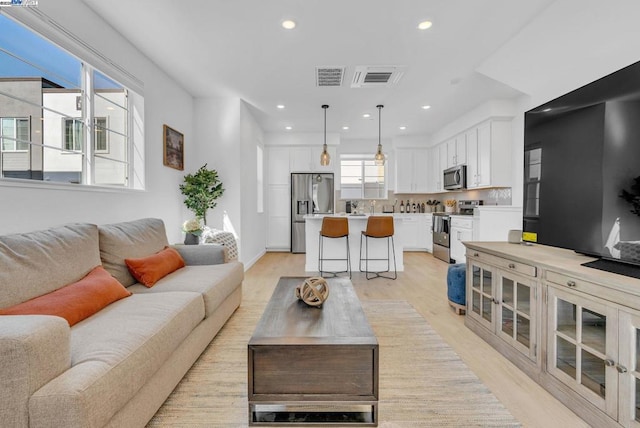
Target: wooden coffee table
(313,365)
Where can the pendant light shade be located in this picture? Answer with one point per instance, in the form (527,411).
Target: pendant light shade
(379,157)
(325,159)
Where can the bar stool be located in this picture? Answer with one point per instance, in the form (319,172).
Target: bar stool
(378,227)
(333,227)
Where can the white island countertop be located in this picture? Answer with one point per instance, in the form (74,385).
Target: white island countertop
(336,248)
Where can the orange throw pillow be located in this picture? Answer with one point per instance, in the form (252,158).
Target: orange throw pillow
(151,269)
(76,301)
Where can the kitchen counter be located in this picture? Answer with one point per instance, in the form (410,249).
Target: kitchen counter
(336,248)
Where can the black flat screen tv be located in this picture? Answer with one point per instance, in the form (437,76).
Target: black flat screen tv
(582,172)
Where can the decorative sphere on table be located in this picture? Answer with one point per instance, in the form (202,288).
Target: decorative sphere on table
(313,291)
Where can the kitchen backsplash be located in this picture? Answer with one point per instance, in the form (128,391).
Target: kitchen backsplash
(494,196)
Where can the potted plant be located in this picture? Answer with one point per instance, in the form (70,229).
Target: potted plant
(200,190)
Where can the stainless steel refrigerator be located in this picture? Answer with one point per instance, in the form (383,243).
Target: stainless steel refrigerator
(310,194)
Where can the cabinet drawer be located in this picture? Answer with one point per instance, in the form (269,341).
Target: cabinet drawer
(462,222)
(507,264)
(598,290)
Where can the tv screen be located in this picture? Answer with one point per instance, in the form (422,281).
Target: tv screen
(582,170)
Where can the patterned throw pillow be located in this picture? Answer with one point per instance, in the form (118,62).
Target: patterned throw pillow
(629,250)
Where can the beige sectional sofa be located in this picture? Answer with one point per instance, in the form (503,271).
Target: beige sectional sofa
(117,367)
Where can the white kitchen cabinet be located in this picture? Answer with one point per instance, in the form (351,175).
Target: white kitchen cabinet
(415,233)
(439,164)
(307,159)
(489,154)
(428,227)
(456,151)
(412,168)
(281,162)
(278,217)
(278,172)
(410,231)
(461,231)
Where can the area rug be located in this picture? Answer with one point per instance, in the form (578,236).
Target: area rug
(423,382)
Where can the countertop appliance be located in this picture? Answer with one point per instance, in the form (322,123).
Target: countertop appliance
(455,178)
(466,207)
(311,193)
(441,227)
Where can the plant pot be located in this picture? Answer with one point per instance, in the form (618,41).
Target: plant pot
(449,209)
(191,239)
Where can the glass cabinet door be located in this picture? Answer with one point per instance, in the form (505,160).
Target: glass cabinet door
(481,293)
(517,311)
(582,347)
(628,368)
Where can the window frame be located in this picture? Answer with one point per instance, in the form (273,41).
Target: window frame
(97,128)
(15,139)
(363,160)
(92,62)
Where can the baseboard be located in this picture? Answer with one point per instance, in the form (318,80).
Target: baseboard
(253,261)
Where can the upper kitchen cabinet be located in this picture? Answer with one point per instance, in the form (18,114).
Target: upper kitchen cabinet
(489,154)
(412,169)
(456,151)
(437,165)
(307,159)
(277,165)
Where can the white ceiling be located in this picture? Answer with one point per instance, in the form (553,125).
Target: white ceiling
(237,48)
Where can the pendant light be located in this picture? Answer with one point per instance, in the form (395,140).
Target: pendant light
(325,159)
(379,157)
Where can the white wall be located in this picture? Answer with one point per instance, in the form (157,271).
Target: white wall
(570,44)
(226,135)
(31,208)
(253,223)
(558,52)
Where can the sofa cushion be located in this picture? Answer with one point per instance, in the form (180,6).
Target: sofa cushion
(113,354)
(214,282)
(38,263)
(148,270)
(76,301)
(130,240)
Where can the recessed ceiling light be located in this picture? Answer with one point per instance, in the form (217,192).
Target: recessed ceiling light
(288,24)
(402,128)
(426,107)
(547,109)
(424,25)
(288,128)
(280,106)
(346,128)
(366,115)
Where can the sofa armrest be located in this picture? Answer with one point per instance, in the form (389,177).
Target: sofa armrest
(204,254)
(34,349)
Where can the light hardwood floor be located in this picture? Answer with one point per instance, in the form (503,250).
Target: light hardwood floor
(423,285)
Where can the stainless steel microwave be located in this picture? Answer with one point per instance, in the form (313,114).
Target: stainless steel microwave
(455,178)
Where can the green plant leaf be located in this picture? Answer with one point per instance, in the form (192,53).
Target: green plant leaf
(201,191)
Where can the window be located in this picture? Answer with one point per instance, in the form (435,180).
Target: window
(15,134)
(60,94)
(260,179)
(74,134)
(361,178)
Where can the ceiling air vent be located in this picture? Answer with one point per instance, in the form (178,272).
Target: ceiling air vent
(377,76)
(329,76)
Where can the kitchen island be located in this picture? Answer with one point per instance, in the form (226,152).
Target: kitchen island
(336,248)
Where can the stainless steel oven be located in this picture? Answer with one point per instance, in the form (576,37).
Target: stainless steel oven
(441,228)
